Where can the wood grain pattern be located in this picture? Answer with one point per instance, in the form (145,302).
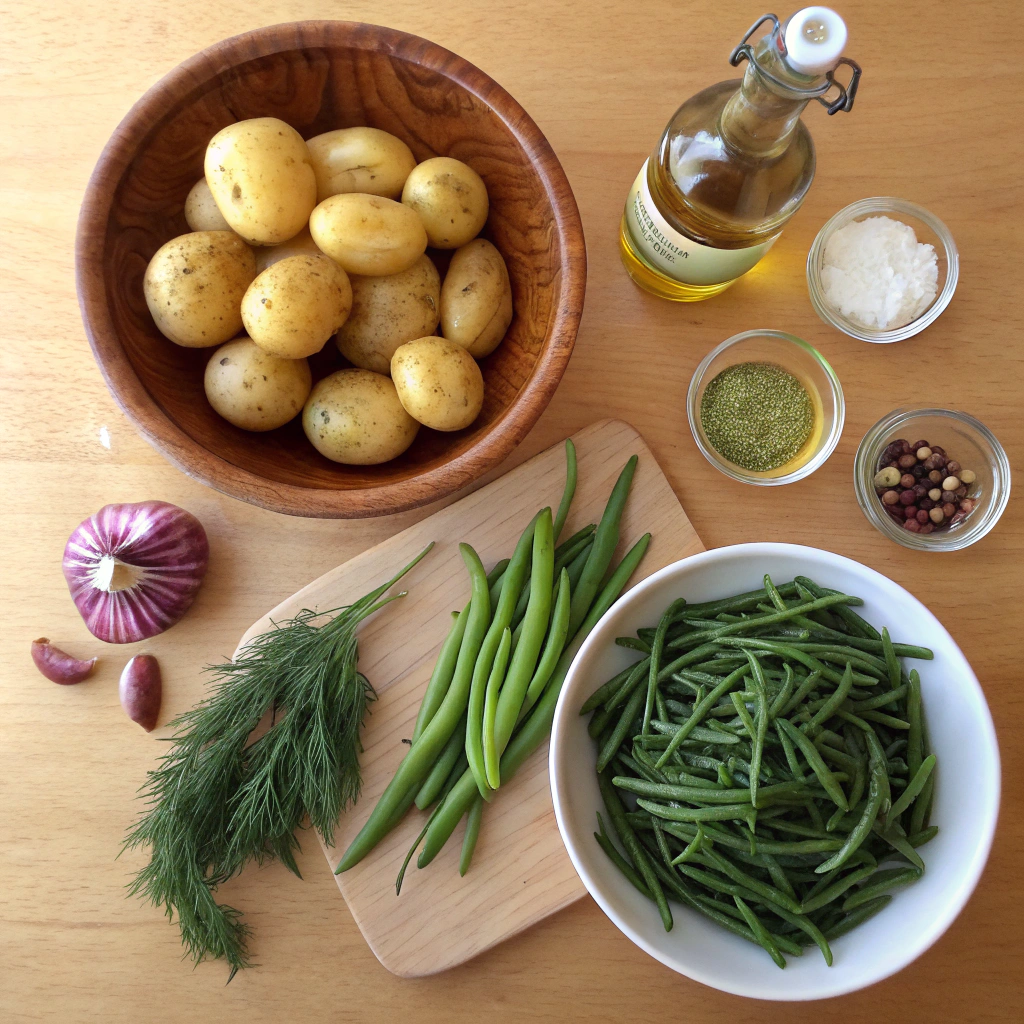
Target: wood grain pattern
(601,79)
(521,872)
(318,76)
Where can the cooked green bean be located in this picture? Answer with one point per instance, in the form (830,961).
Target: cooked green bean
(617,816)
(760,795)
(619,861)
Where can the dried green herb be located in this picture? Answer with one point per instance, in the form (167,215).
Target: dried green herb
(221,798)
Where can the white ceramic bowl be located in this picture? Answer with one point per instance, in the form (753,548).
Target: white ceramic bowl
(966,794)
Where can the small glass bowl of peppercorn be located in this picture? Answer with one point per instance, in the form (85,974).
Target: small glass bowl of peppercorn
(931,479)
(765,408)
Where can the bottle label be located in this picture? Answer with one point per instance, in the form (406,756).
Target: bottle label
(677,256)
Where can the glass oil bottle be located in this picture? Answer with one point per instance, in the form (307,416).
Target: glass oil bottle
(735,161)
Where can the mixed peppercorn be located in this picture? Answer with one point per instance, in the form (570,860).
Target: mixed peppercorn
(922,488)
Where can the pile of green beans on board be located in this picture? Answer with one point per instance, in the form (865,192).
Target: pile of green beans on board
(774,751)
(492,694)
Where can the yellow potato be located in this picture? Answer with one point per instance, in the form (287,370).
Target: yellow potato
(450,198)
(253,389)
(438,382)
(476,298)
(201,211)
(262,180)
(355,417)
(359,160)
(388,312)
(368,235)
(194,286)
(301,245)
(294,306)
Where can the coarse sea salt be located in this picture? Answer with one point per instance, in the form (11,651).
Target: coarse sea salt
(876,272)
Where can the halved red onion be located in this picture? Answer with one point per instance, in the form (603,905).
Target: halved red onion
(134,569)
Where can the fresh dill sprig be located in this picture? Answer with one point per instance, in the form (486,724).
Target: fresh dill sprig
(219,799)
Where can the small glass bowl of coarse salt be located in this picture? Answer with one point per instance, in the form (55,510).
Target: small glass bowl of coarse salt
(882,270)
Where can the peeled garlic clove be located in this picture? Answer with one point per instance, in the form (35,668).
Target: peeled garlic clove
(134,569)
(58,666)
(141,690)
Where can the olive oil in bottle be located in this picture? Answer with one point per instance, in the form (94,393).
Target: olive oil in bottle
(735,162)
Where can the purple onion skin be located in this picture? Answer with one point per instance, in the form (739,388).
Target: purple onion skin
(159,554)
(141,690)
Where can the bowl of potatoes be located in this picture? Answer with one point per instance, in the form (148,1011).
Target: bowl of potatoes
(331,269)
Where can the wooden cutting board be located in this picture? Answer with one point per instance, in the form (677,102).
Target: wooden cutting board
(520,872)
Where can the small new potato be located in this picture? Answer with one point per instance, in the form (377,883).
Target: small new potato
(368,235)
(301,245)
(359,160)
(261,177)
(201,210)
(476,298)
(253,389)
(295,305)
(438,382)
(355,417)
(194,286)
(388,312)
(450,198)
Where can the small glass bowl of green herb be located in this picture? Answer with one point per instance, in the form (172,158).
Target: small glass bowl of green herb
(765,408)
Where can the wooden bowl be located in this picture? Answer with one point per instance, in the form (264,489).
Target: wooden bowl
(320,75)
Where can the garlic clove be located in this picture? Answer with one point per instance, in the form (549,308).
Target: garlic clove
(58,666)
(141,690)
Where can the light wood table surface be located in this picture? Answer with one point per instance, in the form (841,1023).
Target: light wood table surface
(934,123)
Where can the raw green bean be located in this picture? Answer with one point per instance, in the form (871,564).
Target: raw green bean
(569,491)
(537,725)
(441,677)
(434,782)
(472,826)
(524,661)
(606,540)
(512,583)
(494,682)
(418,761)
(553,645)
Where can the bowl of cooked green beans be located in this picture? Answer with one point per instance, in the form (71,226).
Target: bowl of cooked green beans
(770,756)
